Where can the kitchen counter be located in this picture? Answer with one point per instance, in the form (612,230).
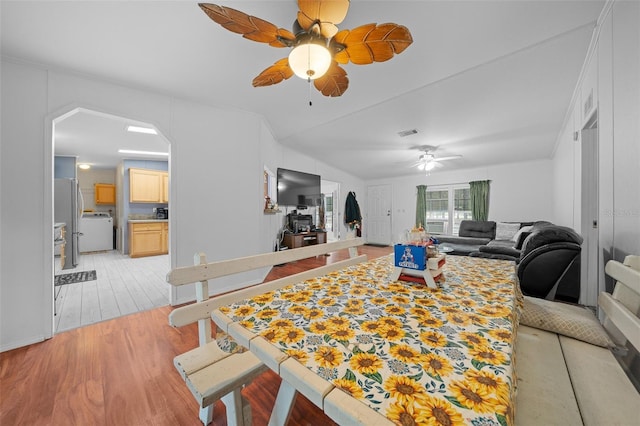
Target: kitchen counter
(147,220)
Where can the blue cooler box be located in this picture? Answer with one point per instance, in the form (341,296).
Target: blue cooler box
(410,257)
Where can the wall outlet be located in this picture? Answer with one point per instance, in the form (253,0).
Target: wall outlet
(155,210)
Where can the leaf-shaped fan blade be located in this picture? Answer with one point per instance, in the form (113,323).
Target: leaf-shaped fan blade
(327,29)
(327,12)
(372,43)
(334,82)
(333,11)
(274,74)
(250,27)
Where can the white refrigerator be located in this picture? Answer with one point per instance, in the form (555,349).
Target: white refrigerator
(67,201)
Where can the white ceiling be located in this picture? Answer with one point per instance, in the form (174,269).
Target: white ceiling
(96,139)
(488,80)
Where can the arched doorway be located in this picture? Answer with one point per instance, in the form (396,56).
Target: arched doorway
(111,284)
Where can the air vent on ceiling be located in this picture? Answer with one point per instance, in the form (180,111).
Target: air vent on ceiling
(404,133)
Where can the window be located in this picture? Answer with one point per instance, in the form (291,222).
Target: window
(462,207)
(447,206)
(437,211)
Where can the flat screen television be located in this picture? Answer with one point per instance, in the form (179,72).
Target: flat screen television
(298,189)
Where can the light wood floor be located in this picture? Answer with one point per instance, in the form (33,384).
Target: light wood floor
(120,372)
(124,286)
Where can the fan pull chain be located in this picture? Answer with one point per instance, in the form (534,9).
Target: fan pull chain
(309,81)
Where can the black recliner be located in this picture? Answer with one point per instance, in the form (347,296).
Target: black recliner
(549,265)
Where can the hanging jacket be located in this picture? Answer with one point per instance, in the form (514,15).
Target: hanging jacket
(352,214)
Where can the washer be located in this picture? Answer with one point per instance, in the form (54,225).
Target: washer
(96,232)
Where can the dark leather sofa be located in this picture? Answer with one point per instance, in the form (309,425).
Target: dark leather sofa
(472,235)
(478,235)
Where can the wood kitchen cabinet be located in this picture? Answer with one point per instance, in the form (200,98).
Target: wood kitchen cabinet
(148,186)
(165,187)
(148,239)
(104,193)
(165,237)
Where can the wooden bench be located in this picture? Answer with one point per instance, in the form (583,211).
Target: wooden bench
(566,381)
(211,373)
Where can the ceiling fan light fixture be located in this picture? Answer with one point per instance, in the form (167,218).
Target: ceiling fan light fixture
(429,165)
(309,60)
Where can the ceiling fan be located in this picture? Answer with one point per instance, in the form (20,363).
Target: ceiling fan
(317,44)
(428,161)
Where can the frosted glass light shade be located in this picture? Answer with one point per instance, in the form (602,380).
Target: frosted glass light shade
(430,165)
(309,60)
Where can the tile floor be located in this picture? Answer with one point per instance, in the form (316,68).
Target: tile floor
(123,286)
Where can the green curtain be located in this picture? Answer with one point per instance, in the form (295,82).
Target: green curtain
(421,206)
(479,191)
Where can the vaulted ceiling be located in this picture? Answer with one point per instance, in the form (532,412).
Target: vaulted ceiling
(488,80)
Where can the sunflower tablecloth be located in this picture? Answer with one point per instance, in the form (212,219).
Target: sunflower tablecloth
(416,355)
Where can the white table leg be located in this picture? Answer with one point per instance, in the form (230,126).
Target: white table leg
(283,406)
(206,415)
(233,403)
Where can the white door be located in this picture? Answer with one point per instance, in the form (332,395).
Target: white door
(378,221)
(589,219)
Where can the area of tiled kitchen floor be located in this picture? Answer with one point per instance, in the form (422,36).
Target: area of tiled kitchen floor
(123,286)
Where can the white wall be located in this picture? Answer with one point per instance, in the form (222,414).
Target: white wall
(626,129)
(518,192)
(217,158)
(611,71)
(23,265)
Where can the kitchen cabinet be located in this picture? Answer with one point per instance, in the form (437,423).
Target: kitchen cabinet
(165,237)
(148,238)
(104,193)
(148,186)
(165,187)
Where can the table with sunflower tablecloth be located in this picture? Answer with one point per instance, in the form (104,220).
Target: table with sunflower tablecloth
(412,354)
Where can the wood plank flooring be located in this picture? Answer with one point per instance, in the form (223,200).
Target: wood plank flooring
(124,286)
(120,372)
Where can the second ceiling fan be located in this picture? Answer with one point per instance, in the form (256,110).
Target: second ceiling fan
(428,161)
(318,47)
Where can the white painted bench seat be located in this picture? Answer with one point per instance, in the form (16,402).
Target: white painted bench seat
(210,373)
(220,377)
(565,381)
(544,392)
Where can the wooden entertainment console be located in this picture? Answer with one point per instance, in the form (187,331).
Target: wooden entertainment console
(304,239)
